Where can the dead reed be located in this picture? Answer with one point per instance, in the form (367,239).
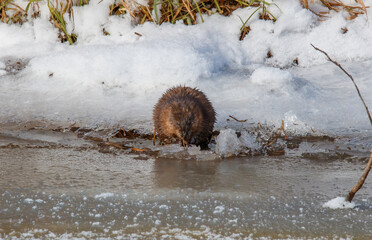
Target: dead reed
(185,10)
(337,5)
(57,12)
(11,12)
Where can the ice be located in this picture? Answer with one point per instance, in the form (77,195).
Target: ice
(187,153)
(164,207)
(294,124)
(29,201)
(218,209)
(104,195)
(202,155)
(227,143)
(249,141)
(338,203)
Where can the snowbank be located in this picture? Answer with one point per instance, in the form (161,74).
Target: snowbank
(116,79)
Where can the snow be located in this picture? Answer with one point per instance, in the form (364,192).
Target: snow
(104,195)
(115,80)
(218,209)
(29,201)
(2,69)
(338,203)
(273,79)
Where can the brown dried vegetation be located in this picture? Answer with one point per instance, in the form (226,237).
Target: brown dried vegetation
(10,12)
(185,10)
(57,12)
(337,5)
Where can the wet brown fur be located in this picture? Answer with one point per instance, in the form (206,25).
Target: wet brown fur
(185,114)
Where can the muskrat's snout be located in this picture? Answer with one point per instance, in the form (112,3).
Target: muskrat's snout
(185,132)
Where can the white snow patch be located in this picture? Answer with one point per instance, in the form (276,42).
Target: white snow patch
(218,209)
(338,203)
(28,201)
(164,207)
(273,79)
(104,195)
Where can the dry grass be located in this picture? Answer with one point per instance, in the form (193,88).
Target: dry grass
(57,11)
(186,10)
(337,5)
(11,12)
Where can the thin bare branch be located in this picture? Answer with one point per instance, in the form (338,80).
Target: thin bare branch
(360,183)
(351,77)
(237,119)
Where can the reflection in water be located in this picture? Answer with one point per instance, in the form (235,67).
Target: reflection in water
(185,174)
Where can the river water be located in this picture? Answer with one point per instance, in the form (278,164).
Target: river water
(58,185)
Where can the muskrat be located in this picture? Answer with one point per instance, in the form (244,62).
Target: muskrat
(185,114)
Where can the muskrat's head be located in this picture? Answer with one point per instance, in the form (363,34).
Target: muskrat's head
(187,120)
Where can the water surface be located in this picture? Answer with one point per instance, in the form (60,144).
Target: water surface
(56,185)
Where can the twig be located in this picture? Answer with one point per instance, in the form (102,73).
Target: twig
(282,128)
(116,145)
(351,194)
(360,183)
(238,119)
(140,149)
(352,79)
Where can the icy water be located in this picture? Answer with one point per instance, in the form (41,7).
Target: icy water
(59,185)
